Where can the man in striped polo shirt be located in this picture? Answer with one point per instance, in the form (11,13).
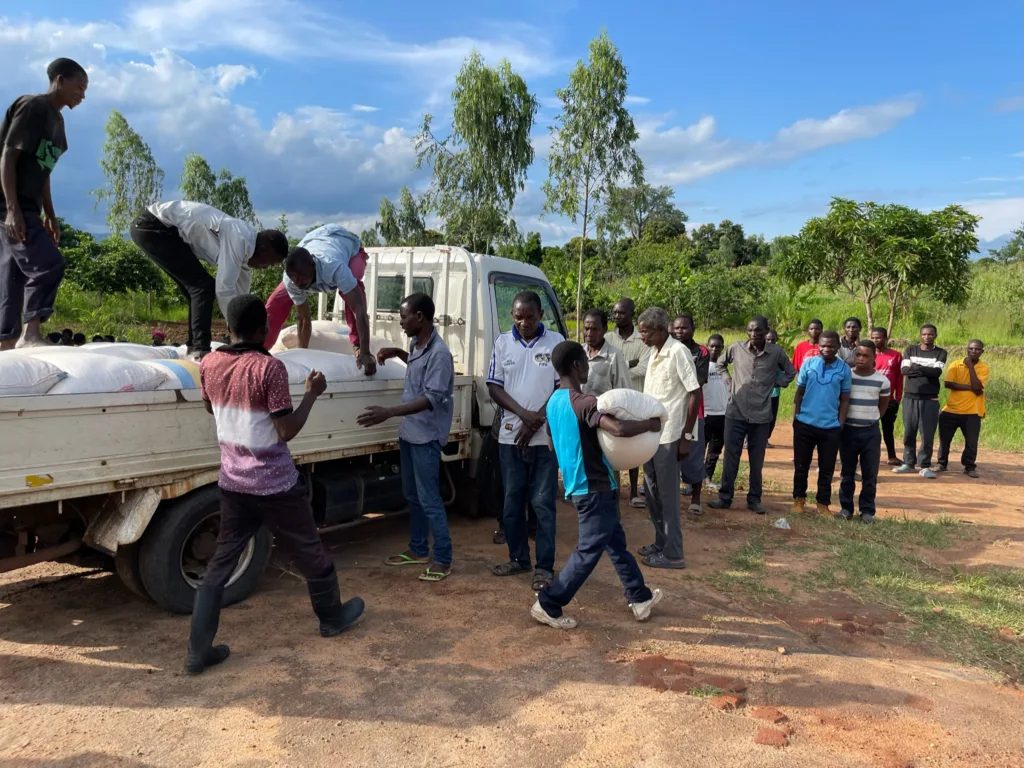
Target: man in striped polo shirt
(861,439)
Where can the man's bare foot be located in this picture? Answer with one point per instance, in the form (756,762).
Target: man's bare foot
(32,341)
(435,572)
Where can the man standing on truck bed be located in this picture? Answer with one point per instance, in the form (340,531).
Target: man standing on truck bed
(520,380)
(31,141)
(179,235)
(246,390)
(330,259)
(427,410)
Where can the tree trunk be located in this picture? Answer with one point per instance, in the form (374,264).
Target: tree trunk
(869,311)
(579,276)
(894,297)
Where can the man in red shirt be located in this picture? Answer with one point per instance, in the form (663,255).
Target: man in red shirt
(887,363)
(808,348)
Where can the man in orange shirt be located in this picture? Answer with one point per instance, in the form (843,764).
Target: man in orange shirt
(965,407)
(808,348)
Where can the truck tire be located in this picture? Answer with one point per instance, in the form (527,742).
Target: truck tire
(126,565)
(179,542)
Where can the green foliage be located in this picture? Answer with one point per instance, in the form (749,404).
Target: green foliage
(532,249)
(369,238)
(592,143)
(481,165)
(720,295)
(402,224)
(223,191)
(644,212)
(1013,251)
(133,180)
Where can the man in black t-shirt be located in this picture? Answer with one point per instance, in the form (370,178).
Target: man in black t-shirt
(31,267)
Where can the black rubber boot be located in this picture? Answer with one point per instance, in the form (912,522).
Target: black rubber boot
(335,616)
(202,653)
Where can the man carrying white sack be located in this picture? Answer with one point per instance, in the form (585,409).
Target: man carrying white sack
(672,380)
(573,420)
(326,260)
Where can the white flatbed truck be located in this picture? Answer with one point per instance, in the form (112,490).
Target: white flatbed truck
(133,475)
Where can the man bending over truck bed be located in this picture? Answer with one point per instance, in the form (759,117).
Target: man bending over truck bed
(246,390)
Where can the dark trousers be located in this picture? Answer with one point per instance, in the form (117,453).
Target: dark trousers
(970,425)
(289,517)
(714,433)
(757,438)
(421,465)
(805,440)
(888,421)
(30,274)
(173,255)
(661,477)
(775,416)
(861,445)
(530,475)
(600,530)
(919,415)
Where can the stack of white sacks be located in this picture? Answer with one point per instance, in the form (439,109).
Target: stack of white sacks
(120,367)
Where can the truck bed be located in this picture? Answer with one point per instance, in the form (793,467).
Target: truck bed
(62,447)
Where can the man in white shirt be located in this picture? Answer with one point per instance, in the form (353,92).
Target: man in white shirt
(321,264)
(520,380)
(716,398)
(179,235)
(626,338)
(672,379)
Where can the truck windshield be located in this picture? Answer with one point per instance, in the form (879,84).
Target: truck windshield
(505,290)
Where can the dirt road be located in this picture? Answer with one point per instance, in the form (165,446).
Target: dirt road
(458,674)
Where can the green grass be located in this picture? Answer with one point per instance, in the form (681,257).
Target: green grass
(130,316)
(705,691)
(954,611)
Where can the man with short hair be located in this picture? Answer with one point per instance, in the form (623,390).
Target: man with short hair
(627,339)
(322,263)
(922,368)
(79,339)
(426,409)
(757,368)
(860,441)
(672,380)
(32,139)
(809,347)
(848,342)
(819,413)
(67,338)
(179,236)
(965,407)
(573,421)
(607,368)
(520,380)
(691,469)
(246,390)
(716,399)
(888,362)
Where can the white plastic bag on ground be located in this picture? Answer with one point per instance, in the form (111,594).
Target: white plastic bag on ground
(133,351)
(89,373)
(629,452)
(181,374)
(23,375)
(336,367)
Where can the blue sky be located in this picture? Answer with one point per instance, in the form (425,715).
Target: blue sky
(757,112)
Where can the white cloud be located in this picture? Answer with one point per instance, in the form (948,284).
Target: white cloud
(638,101)
(997,179)
(997,216)
(678,155)
(364,108)
(1017,154)
(1009,104)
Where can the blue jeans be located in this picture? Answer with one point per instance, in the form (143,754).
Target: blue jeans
(421,465)
(600,530)
(529,475)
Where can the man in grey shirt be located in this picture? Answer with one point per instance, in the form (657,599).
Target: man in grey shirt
(608,367)
(427,407)
(757,367)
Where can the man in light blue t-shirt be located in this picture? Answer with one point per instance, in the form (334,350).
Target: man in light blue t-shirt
(819,412)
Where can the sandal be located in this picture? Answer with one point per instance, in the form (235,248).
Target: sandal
(435,576)
(499,537)
(637,502)
(404,559)
(511,568)
(696,509)
(648,549)
(541,579)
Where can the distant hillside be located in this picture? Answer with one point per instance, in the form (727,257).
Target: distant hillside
(985,245)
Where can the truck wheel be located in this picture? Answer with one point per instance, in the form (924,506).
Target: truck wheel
(126,565)
(180,542)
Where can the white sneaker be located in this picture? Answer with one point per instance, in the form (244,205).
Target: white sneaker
(927,473)
(903,469)
(642,611)
(562,622)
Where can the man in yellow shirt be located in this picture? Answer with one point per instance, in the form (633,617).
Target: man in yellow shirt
(965,407)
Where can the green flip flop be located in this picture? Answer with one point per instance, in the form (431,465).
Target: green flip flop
(404,559)
(434,576)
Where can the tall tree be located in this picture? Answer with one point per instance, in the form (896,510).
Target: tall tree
(282,224)
(635,207)
(133,180)
(1013,251)
(481,164)
(369,238)
(402,224)
(592,144)
(223,190)
(872,251)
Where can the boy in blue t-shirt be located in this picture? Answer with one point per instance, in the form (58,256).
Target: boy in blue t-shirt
(819,412)
(573,421)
